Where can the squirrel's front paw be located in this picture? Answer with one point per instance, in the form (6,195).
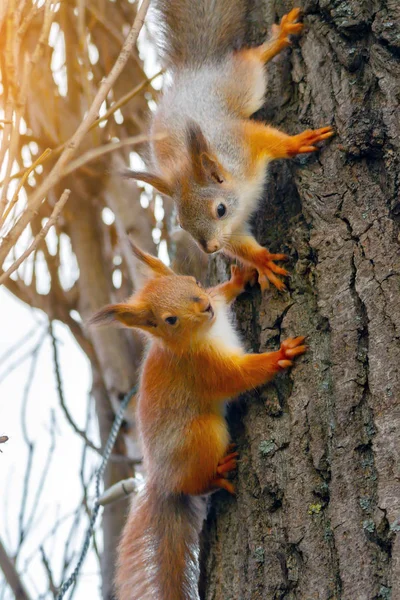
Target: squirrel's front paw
(267,270)
(304,142)
(242,275)
(289,349)
(287,26)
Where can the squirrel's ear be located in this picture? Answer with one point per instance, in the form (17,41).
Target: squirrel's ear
(156,266)
(212,168)
(157,182)
(205,167)
(129,315)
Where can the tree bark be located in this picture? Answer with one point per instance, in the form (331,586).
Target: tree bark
(317,510)
(117,358)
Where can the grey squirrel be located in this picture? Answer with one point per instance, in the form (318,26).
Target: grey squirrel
(212,158)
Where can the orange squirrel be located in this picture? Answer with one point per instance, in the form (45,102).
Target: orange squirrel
(212,158)
(195,362)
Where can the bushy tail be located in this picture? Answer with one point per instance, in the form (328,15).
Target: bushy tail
(193,32)
(158,553)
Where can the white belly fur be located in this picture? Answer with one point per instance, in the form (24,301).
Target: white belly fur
(222,333)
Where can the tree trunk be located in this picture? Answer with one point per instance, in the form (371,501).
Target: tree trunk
(318,494)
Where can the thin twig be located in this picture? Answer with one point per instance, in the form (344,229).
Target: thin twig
(24,173)
(19,86)
(21,359)
(42,234)
(85,485)
(126,98)
(58,170)
(97,152)
(60,391)
(10,351)
(24,177)
(41,483)
(47,568)
(31,448)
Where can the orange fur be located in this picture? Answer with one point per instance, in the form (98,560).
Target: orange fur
(265,141)
(279,39)
(190,370)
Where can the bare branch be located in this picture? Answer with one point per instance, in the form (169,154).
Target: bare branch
(53,588)
(41,483)
(31,447)
(11,575)
(10,351)
(25,174)
(60,392)
(58,170)
(125,99)
(40,236)
(118,490)
(96,152)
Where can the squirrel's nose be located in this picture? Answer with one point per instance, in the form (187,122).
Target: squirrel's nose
(212,246)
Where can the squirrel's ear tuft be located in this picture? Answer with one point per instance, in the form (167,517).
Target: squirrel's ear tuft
(128,315)
(104,316)
(196,141)
(157,182)
(205,166)
(155,265)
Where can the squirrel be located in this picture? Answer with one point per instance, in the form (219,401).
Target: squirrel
(211,158)
(194,363)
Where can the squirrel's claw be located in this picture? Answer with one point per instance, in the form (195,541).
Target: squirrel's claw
(267,270)
(227,464)
(285,364)
(304,142)
(266,276)
(224,484)
(289,349)
(293,342)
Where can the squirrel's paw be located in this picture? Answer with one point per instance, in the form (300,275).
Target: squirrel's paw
(241,275)
(304,142)
(287,26)
(289,349)
(227,464)
(267,271)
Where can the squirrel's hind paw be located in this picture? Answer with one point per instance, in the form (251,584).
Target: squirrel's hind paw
(289,25)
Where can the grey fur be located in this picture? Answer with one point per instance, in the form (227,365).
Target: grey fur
(195,32)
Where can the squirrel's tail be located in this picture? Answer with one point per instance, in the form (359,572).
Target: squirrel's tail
(158,553)
(194,32)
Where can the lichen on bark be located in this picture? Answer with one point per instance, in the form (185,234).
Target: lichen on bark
(296,528)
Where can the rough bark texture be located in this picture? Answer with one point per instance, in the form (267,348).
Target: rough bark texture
(318,494)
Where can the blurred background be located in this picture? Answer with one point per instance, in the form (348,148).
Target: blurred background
(60,384)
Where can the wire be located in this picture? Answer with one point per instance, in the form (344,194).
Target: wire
(99,475)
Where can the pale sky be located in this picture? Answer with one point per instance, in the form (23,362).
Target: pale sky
(62,492)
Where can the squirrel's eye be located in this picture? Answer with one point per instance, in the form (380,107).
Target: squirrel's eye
(171,320)
(221,210)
